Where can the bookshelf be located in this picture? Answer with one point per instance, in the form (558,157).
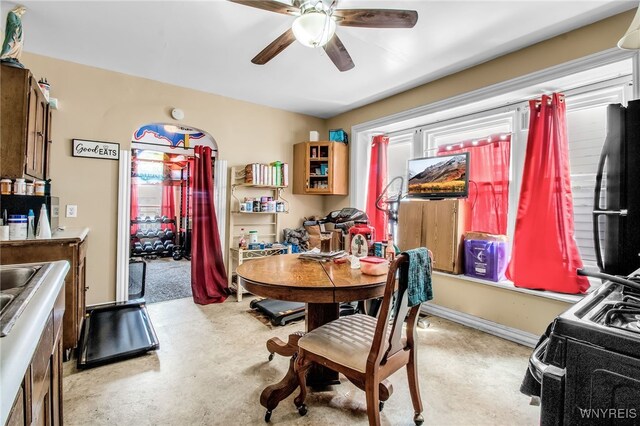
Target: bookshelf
(267,223)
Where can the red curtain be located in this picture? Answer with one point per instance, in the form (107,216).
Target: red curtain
(208,275)
(488,199)
(134,207)
(168,205)
(544,254)
(377,181)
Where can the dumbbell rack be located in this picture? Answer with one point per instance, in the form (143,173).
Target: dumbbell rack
(153,238)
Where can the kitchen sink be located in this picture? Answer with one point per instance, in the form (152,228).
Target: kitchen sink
(11,278)
(5,299)
(18,283)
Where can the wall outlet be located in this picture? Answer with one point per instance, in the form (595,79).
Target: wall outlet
(72,210)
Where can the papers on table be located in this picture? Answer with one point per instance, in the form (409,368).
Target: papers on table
(323,257)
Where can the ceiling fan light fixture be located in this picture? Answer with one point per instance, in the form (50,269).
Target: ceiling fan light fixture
(314,28)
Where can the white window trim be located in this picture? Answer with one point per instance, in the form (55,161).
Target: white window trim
(362,133)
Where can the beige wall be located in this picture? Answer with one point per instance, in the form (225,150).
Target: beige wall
(529,313)
(107,106)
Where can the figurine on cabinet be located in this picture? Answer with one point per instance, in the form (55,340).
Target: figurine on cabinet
(13,38)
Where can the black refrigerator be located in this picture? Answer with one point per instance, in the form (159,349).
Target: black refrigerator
(616,214)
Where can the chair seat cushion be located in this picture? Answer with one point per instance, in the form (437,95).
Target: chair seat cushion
(345,341)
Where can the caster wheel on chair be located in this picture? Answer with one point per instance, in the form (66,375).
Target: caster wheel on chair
(381,405)
(271,356)
(418,419)
(267,416)
(302,410)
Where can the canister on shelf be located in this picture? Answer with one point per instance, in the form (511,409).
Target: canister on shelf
(256,206)
(280,206)
(30,189)
(253,237)
(271,206)
(5,186)
(20,187)
(264,207)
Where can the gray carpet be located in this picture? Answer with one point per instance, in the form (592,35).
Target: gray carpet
(167,279)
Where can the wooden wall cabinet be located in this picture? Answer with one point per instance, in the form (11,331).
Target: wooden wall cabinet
(26,123)
(321,168)
(72,250)
(438,225)
(39,399)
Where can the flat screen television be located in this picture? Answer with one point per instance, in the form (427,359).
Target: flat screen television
(445,176)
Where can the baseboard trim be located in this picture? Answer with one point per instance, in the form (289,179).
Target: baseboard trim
(508,333)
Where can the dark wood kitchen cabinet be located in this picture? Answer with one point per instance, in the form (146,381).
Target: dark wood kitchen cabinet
(26,123)
(73,250)
(39,399)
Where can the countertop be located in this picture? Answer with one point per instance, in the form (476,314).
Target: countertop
(58,236)
(18,347)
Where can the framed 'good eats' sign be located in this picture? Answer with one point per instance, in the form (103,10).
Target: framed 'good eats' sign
(95,149)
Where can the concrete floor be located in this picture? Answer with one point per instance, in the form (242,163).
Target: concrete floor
(212,365)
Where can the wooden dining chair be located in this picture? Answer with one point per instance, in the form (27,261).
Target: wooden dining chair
(367,350)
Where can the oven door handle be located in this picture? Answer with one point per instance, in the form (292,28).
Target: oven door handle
(537,367)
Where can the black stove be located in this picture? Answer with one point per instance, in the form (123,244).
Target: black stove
(589,364)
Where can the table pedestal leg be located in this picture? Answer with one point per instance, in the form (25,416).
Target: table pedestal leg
(318,314)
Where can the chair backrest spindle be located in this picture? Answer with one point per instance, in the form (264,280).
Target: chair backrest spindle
(378,354)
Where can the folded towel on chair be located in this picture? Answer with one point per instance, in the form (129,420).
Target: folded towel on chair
(418,275)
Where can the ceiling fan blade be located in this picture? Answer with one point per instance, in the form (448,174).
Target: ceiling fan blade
(338,54)
(270,5)
(376,18)
(276,46)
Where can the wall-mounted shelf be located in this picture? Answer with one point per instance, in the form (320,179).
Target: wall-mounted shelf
(320,168)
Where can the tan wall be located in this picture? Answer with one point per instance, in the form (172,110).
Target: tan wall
(529,313)
(108,106)
(514,309)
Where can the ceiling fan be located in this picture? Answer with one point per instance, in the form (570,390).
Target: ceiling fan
(316,22)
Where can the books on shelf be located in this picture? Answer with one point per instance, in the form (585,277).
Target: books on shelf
(274,174)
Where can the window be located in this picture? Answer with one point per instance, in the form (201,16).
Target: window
(588,89)
(398,152)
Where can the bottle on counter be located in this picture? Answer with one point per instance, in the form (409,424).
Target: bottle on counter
(43,231)
(390,251)
(31,221)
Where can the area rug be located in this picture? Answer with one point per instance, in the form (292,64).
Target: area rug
(167,279)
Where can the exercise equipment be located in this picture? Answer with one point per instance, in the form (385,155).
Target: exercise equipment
(115,332)
(278,311)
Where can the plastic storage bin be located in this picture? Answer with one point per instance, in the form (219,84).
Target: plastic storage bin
(374,266)
(485,256)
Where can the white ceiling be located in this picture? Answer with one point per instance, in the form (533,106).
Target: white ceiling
(208,45)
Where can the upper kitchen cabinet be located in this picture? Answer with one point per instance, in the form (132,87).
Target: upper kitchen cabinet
(26,122)
(321,168)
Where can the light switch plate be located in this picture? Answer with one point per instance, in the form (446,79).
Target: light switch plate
(72,210)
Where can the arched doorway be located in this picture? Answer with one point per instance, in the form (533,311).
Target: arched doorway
(156,233)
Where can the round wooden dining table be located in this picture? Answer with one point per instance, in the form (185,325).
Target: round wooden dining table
(322,286)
